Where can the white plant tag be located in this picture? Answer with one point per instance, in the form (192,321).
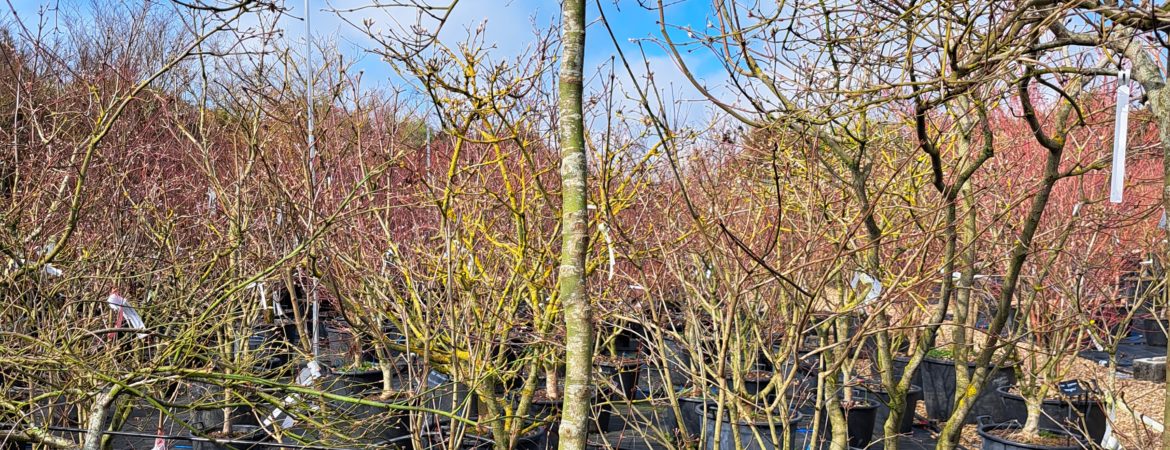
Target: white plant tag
(122,306)
(1120,138)
(875,286)
(310,373)
(51,271)
(211,201)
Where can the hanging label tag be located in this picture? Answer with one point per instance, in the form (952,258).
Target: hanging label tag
(875,286)
(1071,387)
(1120,138)
(127,312)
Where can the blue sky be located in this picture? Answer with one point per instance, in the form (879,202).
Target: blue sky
(508,25)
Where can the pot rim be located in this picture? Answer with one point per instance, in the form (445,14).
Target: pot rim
(248,434)
(793,418)
(535,432)
(626,364)
(881,389)
(948,362)
(983,433)
(1060,401)
(356,372)
(869,404)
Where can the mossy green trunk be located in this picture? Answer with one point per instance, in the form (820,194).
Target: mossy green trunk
(574,237)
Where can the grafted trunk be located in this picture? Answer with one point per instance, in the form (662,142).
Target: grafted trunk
(1032,425)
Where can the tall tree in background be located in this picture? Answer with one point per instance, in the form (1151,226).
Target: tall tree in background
(574,231)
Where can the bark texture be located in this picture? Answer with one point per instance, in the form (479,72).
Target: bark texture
(574,237)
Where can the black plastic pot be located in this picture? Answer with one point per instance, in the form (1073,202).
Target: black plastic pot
(984,318)
(757,385)
(747,432)
(1059,413)
(1154,330)
(199,403)
(913,396)
(399,443)
(269,349)
(550,413)
(678,361)
(291,333)
(534,440)
(995,442)
(622,375)
(860,421)
(938,388)
(362,424)
(445,395)
(354,382)
(899,366)
(628,341)
(694,415)
(242,433)
(440,440)
(603,415)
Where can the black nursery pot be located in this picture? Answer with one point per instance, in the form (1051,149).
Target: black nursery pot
(622,374)
(756,384)
(900,363)
(994,442)
(629,339)
(443,394)
(860,418)
(364,424)
(678,360)
(356,382)
(694,413)
(806,366)
(878,393)
(1152,328)
(440,439)
(271,350)
(746,431)
(201,395)
(1059,413)
(246,433)
(549,411)
(938,377)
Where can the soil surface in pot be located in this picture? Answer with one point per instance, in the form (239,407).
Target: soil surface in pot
(541,396)
(757,376)
(230,435)
(616,361)
(945,354)
(691,392)
(1043,439)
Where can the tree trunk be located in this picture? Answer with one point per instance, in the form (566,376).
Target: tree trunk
(1147,73)
(574,237)
(96,424)
(1161,110)
(1034,403)
(965,400)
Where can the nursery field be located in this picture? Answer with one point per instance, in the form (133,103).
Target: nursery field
(532,225)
